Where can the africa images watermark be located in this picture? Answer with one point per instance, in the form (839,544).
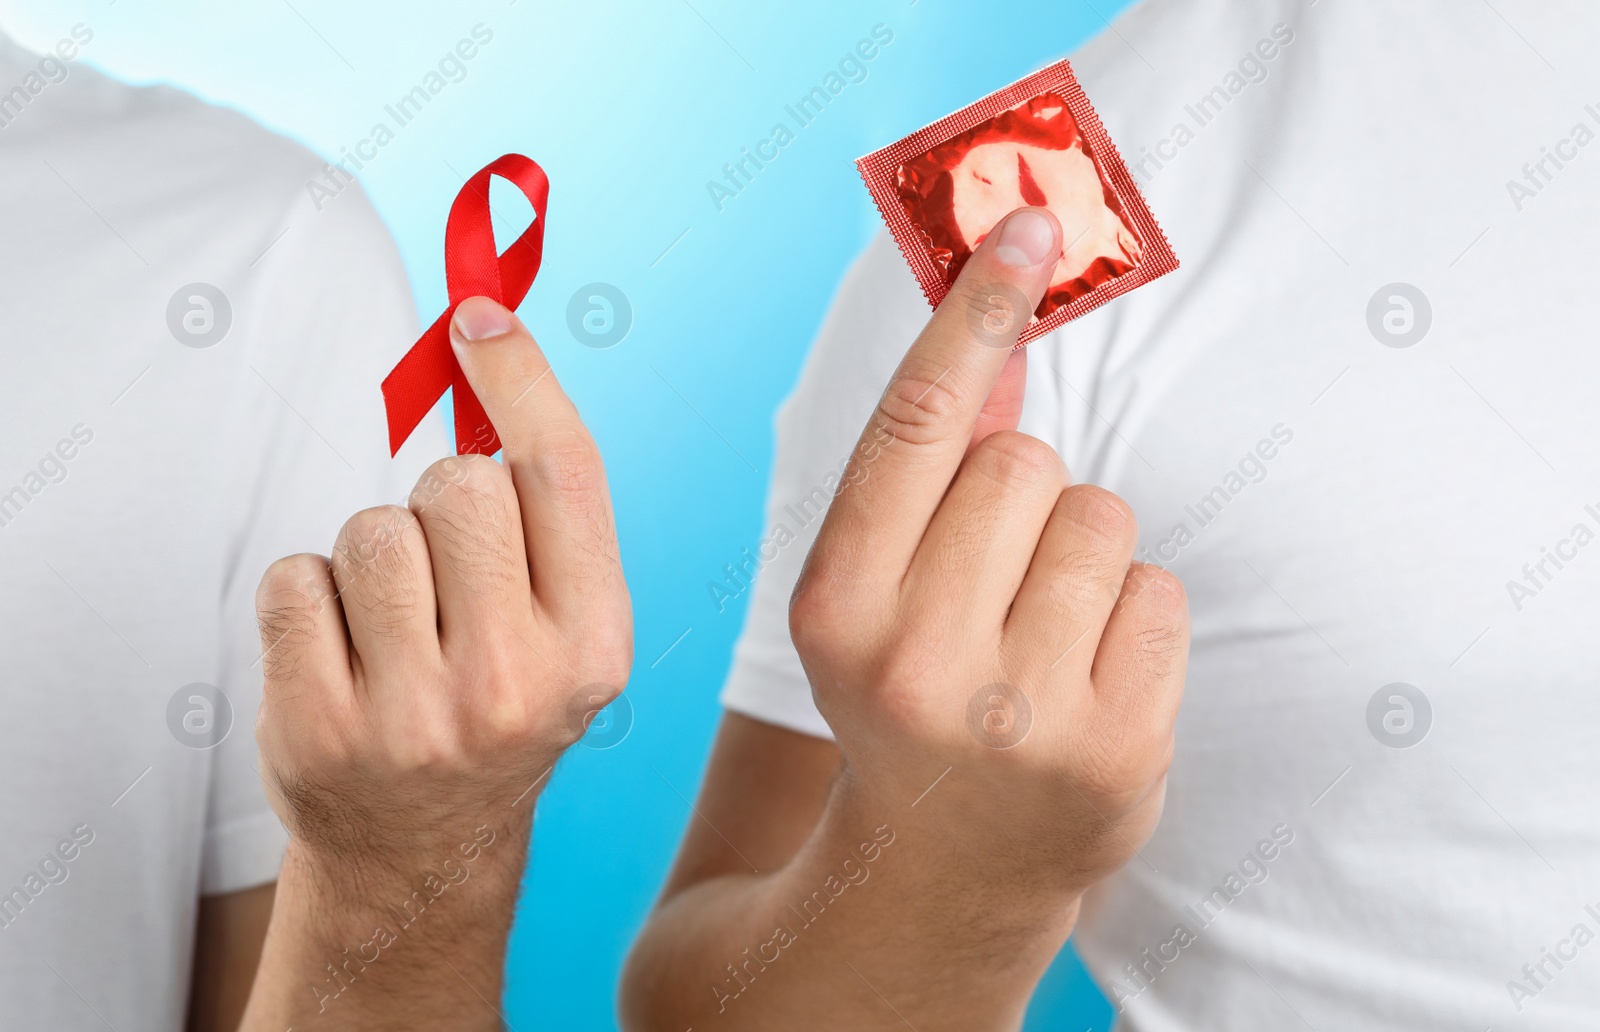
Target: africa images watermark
(795,517)
(1251,70)
(1537,975)
(1536,175)
(1253,869)
(51,70)
(1251,469)
(1538,574)
(854,870)
(363,555)
(451,68)
(51,469)
(852,69)
(342,974)
(787,527)
(53,869)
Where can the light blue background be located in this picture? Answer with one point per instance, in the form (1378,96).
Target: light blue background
(631,108)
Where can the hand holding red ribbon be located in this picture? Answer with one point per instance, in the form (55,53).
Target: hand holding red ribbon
(472,269)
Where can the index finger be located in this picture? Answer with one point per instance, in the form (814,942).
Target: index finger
(917,436)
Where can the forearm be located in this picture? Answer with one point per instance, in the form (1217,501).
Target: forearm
(872,924)
(229,936)
(384,949)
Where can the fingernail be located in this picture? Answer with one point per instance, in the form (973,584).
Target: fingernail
(1027,238)
(479,318)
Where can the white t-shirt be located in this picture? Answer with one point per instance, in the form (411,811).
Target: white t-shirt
(148,475)
(1349,511)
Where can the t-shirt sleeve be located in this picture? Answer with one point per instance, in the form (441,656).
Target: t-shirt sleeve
(325,314)
(877,313)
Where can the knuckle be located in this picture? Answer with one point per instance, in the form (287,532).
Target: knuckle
(1158,590)
(506,715)
(430,747)
(609,659)
(907,665)
(496,694)
(1086,577)
(460,476)
(819,613)
(917,408)
(446,471)
(370,536)
(567,465)
(1130,750)
(1125,753)
(472,523)
(896,707)
(379,571)
(1111,773)
(295,582)
(583,707)
(1154,599)
(1013,458)
(479,496)
(390,617)
(808,615)
(1161,641)
(1091,566)
(902,676)
(288,602)
(509,716)
(1100,512)
(479,473)
(1167,751)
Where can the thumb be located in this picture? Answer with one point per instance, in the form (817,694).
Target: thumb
(510,377)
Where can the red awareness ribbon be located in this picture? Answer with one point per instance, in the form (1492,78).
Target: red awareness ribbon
(471,269)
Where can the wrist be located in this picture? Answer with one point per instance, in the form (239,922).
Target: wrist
(457,890)
(931,849)
(348,931)
(354,877)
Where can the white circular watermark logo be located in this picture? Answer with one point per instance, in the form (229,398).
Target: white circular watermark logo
(199,315)
(601,715)
(199,715)
(999,715)
(599,315)
(997,313)
(1399,315)
(1399,715)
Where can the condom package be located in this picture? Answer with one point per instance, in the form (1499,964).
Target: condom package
(1037,142)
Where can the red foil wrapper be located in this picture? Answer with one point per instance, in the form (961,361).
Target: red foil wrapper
(1037,142)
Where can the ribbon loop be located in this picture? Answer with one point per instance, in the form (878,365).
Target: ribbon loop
(472,269)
